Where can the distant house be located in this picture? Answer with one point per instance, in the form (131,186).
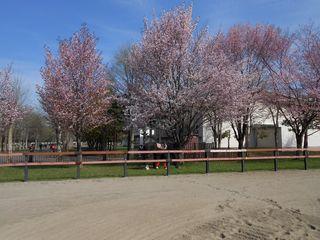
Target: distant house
(261,136)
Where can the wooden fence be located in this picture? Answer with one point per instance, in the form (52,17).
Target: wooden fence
(29,159)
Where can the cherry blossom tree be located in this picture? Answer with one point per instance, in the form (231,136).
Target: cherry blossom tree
(11,108)
(168,67)
(50,95)
(244,45)
(223,88)
(77,88)
(281,43)
(295,83)
(310,41)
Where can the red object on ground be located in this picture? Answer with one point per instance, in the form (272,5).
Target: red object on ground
(158,165)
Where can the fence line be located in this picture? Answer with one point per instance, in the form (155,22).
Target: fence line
(29,159)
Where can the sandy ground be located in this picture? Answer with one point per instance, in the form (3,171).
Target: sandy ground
(254,205)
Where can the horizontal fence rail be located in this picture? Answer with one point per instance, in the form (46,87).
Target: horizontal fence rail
(29,159)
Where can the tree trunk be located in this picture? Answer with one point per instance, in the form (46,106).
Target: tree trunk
(1,142)
(220,134)
(275,119)
(10,134)
(305,142)
(240,131)
(299,140)
(246,135)
(67,143)
(276,142)
(132,138)
(214,134)
(129,142)
(58,138)
(240,142)
(78,139)
(242,135)
(216,128)
(26,141)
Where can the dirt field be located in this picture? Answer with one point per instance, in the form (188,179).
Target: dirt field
(252,205)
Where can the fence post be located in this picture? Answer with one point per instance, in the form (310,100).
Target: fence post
(275,160)
(243,155)
(168,163)
(306,155)
(206,155)
(125,166)
(26,169)
(78,162)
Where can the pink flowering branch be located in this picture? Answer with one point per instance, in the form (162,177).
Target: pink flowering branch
(77,88)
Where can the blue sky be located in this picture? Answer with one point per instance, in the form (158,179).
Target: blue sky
(27,26)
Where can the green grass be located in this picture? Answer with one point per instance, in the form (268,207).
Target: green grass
(8,174)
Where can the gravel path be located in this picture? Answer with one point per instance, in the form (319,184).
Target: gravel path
(251,205)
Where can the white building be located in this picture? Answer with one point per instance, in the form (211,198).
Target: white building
(261,135)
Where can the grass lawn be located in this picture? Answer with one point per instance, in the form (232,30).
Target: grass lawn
(96,171)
